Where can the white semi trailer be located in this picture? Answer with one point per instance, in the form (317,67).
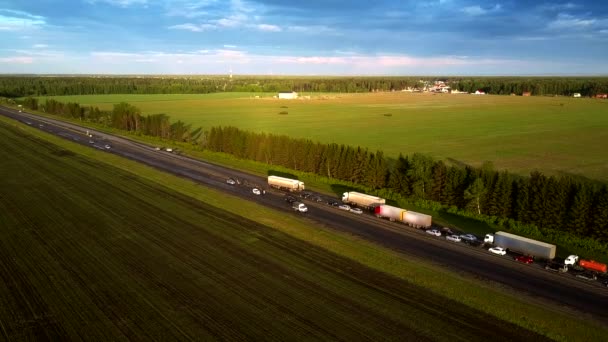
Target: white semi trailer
(522,245)
(285,183)
(362,200)
(408,217)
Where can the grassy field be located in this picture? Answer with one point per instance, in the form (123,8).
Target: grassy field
(82,255)
(552,134)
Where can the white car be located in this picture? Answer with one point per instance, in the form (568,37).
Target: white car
(256,191)
(498,250)
(433,232)
(468,237)
(344,207)
(157,148)
(231,181)
(356,211)
(107,147)
(454,238)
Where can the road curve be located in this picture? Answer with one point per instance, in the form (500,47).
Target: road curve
(568,292)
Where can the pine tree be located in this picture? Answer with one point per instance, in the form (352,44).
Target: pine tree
(600,215)
(474,193)
(579,215)
(439,177)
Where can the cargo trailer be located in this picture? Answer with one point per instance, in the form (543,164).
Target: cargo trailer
(362,200)
(283,183)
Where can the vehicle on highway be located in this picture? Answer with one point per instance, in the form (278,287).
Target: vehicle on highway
(169,149)
(587,276)
(605,283)
(362,200)
(305,195)
(290,199)
(571,260)
(454,238)
(333,203)
(230,181)
(283,183)
(497,250)
(256,191)
(344,207)
(411,218)
(468,238)
(299,206)
(91,142)
(107,147)
(433,232)
(318,199)
(556,266)
(524,258)
(356,211)
(522,245)
(40,125)
(157,148)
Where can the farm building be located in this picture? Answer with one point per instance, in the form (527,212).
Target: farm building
(526,93)
(288,95)
(479,92)
(601,96)
(577,95)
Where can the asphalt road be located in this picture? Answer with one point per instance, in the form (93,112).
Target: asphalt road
(586,297)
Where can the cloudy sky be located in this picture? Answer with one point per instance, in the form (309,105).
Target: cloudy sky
(308,37)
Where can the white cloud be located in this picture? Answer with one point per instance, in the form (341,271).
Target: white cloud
(268,28)
(187,27)
(558,7)
(567,21)
(11,20)
(228,46)
(40,46)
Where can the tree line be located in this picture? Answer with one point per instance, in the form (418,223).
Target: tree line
(559,203)
(22,86)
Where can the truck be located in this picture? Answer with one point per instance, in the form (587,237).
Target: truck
(299,206)
(362,200)
(283,183)
(522,245)
(408,217)
(592,265)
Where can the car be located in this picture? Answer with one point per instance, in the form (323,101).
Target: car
(107,147)
(290,199)
(305,195)
(333,203)
(169,149)
(468,237)
(356,211)
(454,238)
(556,267)
(433,232)
(256,191)
(230,181)
(91,142)
(318,199)
(344,207)
(587,276)
(498,250)
(524,258)
(605,283)
(157,148)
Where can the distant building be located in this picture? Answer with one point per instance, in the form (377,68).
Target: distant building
(288,95)
(526,93)
(601,96)
(479,92)
(577,95)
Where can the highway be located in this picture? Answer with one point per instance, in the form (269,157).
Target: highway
(578,296)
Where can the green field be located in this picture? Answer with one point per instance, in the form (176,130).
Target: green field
(552,134)
(89,249)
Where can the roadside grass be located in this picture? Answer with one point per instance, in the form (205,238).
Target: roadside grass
(557,135)
(473,293)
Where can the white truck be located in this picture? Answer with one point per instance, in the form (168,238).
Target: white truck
(362,200)
(408,217)
(522,245)
(299,206)
(283,183)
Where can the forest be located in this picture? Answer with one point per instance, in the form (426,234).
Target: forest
(564,204)
(22,86)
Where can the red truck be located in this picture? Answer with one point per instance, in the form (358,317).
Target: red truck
(593,265)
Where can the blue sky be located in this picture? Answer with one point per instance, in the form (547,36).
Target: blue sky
(309,37)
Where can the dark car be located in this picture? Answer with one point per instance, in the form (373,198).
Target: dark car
(605,283)
(333,203)
(290,199)
(587,276)
(524,258)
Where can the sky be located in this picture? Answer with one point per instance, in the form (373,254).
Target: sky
(306,37)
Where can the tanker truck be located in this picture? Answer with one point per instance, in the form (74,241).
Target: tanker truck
(362,200)
(283,183)
(408,217)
